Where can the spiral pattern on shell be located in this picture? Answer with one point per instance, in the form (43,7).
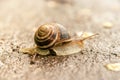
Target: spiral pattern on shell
(48,34)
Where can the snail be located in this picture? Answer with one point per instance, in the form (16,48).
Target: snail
(53,38)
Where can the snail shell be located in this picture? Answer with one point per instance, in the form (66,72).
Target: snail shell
(48,35)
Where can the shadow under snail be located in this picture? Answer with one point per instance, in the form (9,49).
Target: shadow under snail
(54,39)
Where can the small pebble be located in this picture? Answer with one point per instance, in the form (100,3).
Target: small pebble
(107,25)
(113,66)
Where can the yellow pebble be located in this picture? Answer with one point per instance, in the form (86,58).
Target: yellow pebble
(107,25)
(113,66)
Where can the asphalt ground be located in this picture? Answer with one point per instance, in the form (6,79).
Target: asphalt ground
(20,18)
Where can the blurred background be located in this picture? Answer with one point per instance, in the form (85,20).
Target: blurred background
(20,18)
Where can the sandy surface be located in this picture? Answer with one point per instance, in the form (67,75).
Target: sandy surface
(20,18)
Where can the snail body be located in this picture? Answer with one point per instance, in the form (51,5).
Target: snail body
(53,38)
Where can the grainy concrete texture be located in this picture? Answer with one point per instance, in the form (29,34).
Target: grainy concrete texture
(20,18)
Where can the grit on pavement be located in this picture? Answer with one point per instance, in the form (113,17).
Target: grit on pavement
(20,18)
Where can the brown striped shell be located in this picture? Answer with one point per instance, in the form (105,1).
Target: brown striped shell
(48,35)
